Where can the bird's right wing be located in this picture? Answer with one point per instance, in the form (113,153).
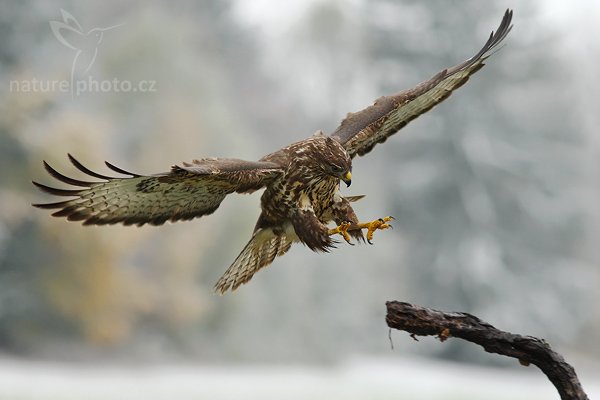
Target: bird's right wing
(187,191)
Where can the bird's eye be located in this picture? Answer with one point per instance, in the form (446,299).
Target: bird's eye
(337,169)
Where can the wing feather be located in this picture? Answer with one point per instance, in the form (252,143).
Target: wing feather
(360,132)
(120,170)
(186,192)
(86,170)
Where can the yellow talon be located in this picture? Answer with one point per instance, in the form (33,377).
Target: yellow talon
(371,227)
(381,224)
(342,229)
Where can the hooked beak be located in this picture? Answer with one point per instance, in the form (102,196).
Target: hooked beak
(347,178)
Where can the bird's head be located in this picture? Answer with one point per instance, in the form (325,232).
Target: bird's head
(335,160)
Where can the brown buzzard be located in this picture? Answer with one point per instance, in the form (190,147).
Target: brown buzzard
(301,181)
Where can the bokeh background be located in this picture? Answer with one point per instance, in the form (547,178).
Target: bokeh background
(495,193)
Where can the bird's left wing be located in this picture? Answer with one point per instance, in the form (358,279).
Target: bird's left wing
(359,132)
(187,191)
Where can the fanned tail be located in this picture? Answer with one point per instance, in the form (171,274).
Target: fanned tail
(260,251)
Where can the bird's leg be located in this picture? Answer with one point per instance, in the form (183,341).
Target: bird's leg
(371,227)
(342,229)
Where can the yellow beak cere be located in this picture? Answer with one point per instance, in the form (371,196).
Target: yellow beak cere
(347,178)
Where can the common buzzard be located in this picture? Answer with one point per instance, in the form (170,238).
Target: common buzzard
(301,181)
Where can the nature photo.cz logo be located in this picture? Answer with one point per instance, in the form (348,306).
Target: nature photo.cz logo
(85,45)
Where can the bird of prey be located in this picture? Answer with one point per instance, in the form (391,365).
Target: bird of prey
(301,181)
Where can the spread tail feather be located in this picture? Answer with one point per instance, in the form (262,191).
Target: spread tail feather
(260,251)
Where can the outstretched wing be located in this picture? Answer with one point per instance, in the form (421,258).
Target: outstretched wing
(188,191)
(360,132)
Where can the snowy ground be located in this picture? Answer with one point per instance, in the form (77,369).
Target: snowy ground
(357,379)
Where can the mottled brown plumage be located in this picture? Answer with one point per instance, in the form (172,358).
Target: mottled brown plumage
(301,181)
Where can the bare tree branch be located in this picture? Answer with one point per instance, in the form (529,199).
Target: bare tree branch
(527,349)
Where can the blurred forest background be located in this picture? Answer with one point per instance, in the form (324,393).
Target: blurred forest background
(495,192)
